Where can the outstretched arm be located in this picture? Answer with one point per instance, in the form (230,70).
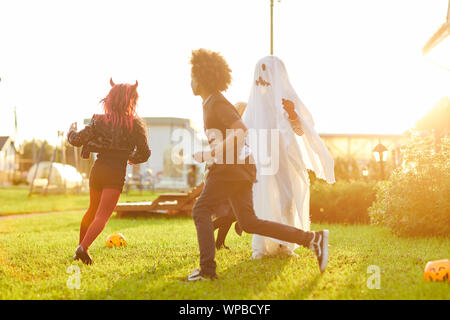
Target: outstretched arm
(294,119)
(239,133)
(77,139)
(230,118)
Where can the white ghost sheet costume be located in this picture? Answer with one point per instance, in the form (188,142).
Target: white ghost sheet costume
(282,195)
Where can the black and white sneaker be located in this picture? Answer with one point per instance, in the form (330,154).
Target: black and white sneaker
(319,245)
(197,275)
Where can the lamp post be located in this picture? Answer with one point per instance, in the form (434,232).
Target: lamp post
(271,26)
(380,153)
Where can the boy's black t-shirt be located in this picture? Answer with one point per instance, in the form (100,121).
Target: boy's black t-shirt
(218,115)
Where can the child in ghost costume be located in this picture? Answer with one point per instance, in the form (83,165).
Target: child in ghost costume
(282,191)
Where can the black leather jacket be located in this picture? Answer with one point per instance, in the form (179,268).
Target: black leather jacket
(102,138)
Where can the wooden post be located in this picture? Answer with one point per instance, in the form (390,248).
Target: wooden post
(75,156)
(271,27)
(448,11)
(50,169)
(63,150)
(33,151)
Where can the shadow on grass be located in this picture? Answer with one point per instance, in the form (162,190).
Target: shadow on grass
(305,290)
(243,280)
(166,274)
(141,215)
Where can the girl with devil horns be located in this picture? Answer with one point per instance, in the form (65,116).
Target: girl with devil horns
(118,136)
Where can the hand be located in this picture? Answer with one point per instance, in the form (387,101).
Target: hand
(202,156)
(198,156)
(73,127)
(289,106)
(298,130)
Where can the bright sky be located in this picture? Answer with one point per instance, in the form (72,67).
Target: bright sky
(356,64)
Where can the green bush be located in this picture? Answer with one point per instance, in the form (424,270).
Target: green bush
(415,201)
(342,202)
(348,169)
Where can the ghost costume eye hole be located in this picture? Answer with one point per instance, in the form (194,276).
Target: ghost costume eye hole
(261,81)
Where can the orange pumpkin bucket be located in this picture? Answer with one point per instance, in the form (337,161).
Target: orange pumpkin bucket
(438,270)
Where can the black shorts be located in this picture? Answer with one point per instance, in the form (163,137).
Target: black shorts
(107,176)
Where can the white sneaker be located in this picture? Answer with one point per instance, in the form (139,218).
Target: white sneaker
(319,245)
(197,275)
(256,255)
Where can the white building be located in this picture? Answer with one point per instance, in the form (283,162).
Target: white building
(7,160)
(172,142)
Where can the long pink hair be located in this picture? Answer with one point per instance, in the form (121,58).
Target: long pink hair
(120,104)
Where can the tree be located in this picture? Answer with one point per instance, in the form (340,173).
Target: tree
(28,152)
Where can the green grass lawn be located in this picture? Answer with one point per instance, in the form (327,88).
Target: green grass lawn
(36,251)
(15,200)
